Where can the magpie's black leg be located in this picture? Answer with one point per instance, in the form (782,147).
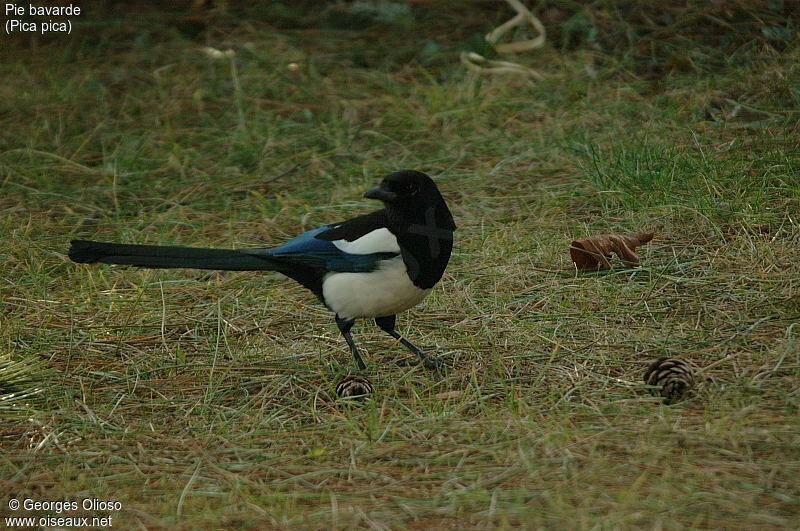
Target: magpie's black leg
(387,325)
(344,327)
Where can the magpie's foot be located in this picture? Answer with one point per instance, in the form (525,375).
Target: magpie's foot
(429,362)
(433,363)
(360,363)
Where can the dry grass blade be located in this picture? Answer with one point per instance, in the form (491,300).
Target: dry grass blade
(21,389)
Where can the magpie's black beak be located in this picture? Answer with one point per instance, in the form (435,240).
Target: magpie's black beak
(380,193)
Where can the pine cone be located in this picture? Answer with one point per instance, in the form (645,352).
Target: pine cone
(673,378)
(354,386)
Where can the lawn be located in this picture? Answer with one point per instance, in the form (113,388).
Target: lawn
(201,399)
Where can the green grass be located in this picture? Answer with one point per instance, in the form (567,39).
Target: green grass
(204,398)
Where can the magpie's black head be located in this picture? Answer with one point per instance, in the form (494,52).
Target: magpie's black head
(420,220)
(410,192)
(404,186)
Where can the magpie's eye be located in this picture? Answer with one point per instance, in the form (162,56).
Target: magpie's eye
(411,190)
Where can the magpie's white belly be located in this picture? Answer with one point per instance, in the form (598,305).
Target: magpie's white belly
(385,291)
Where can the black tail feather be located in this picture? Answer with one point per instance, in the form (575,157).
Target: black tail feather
(157,256)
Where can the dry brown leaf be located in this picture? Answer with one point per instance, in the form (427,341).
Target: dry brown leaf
(594,252)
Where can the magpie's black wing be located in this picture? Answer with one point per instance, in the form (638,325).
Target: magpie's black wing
(355,228)
(337,248)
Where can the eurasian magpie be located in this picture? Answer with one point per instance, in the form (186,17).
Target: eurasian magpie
(372,266)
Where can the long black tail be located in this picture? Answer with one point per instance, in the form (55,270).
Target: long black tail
(157,256)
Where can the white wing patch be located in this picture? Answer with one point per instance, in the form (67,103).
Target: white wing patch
(385,291)
(377,241)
